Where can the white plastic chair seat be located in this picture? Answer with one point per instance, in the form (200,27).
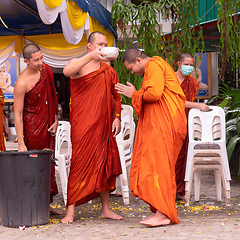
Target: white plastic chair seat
(125,140)
(207,151)
(63,151)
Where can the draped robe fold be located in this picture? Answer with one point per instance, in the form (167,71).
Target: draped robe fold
(160,133)
(2,144)
(40,108)
(95,161)
(190,89)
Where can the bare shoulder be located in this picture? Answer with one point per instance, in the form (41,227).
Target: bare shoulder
(20,84)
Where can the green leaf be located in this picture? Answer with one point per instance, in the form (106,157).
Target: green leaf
(231,145)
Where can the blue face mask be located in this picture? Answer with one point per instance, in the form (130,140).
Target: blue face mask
(186,70)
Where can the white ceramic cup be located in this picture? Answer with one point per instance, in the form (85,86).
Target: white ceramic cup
(112,52)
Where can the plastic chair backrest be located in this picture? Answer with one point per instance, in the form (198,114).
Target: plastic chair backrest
(205,127)
(63,135)
(126,135)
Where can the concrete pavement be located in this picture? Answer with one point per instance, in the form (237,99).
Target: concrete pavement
(207,219)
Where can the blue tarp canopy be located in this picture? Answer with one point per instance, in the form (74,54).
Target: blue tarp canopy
(22,18)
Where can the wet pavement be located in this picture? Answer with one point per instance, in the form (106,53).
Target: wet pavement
(206,219)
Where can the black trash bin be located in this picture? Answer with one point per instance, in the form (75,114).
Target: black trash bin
(25,187)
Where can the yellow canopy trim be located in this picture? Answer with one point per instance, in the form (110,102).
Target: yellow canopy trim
(19,44)
(56,41)
(76,15)
(6,41)
(53,3)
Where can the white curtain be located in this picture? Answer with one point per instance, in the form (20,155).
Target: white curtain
(6,53)
(71,34)
(49,15)
(59,58)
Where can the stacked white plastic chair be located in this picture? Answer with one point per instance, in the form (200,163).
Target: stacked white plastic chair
(63,154)
(207,151)
(125,140)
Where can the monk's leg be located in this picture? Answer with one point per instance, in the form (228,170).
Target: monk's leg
(158,219)
(69,215)
(106,212)
(54,211)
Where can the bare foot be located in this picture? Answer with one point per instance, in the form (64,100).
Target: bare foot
(146,218)
(69,215)
(54,212)
(158,219)
(180,197)
(110,214)
(118,194)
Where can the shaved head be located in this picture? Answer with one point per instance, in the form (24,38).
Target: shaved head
(185,55)
(92,37)
(131,54)
(30,49)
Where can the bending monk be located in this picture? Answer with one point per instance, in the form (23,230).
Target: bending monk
(160,133)
(36,108)
(95,121)
(190,89)
(3,126)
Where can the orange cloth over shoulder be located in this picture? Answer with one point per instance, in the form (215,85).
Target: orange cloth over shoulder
(160,133)
(2,144)
(95,160)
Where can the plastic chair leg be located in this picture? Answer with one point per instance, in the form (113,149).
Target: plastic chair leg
(218,183)
(197,184)
(123,176)
(63,177)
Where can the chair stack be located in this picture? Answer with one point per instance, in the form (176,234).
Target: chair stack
(207,151)
(63,152)
(125,140)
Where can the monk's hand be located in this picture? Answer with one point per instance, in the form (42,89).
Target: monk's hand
(98,55)
(22,147)
(125,90)
(53,129)
(116,127)
(203,107)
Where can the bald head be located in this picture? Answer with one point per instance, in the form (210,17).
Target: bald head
(29,50)
(93,35)
(131,54)
(185,55)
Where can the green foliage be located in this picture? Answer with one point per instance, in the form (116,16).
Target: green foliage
(229,28)
(231,103)
(145,32)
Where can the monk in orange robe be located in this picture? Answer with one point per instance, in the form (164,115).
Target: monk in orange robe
(36,108)
(3,127)
(95,121)
(161,129)
(190,88)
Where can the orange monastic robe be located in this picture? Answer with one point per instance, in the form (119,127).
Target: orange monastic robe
(160,133)
(95,160)
(2,144)
(190,89)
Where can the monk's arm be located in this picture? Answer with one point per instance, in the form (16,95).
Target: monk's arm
(154,84)
(75,65)
(201,106)
(116,126)
(5,128)
(19,94)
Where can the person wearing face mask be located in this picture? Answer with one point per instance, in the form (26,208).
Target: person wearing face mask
(190,88)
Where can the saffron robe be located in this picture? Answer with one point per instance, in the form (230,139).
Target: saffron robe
(160,133)
(2,144)
(190,89)
(95,161)
(40,108)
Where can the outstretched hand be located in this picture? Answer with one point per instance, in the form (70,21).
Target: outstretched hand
(203,107)
(125,90)
(97,55)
